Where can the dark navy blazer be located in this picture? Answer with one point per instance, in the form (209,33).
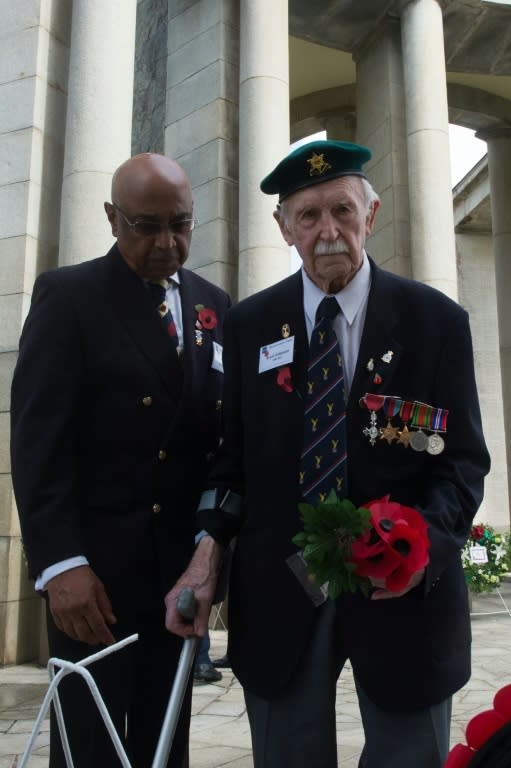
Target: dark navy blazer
(408,652)
(110,432)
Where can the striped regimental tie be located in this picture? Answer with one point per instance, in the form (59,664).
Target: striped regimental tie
(323,463)
(158,294)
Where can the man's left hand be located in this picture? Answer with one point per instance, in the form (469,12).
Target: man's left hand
(384,594)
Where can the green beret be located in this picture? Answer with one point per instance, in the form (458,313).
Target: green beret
(314,163)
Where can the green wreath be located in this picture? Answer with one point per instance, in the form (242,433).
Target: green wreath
(485,577)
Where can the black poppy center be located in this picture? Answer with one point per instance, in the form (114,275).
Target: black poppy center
(402,546)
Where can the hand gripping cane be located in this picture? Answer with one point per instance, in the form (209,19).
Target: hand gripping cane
(186,607)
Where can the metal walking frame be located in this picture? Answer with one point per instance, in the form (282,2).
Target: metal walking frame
(60,668)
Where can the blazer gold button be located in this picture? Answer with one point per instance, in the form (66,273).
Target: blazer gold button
(156,508)
(147,401)
(162,455)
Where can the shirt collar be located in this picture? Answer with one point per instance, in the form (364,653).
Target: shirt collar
(350,299)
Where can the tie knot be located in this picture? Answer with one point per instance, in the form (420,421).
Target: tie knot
(329,307)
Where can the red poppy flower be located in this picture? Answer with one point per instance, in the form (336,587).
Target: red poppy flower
(459,756)
(395,548)
(481,728)
(376,561)
(477,532)
(208,319)
(284,379)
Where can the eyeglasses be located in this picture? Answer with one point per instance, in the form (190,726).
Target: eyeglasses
(146,228)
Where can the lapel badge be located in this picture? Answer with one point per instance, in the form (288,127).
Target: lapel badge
(387,357)
(377,378)
(286,331)
(370,365)
(198,338)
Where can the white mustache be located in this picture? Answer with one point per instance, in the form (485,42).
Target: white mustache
(326,249)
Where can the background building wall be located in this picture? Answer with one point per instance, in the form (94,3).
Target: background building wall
(150,82)
(34,45)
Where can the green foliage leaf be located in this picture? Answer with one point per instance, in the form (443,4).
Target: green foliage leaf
(329,530)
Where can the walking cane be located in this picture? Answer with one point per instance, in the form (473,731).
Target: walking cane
(186,607)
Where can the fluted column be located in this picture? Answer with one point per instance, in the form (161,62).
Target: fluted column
(98,123)
(499,169)
(427,127)
(263,139)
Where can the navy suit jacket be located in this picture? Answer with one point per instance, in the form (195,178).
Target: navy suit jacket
(110,432)
(408,652)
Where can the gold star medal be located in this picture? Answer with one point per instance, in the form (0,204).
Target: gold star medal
(404,436)
(388,433)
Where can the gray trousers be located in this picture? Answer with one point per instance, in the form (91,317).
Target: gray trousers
(299,727)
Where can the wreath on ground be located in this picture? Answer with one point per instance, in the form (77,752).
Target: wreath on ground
(486,558)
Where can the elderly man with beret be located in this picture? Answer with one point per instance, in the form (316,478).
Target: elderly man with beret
(405,422)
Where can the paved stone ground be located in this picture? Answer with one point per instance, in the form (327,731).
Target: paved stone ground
(220,735)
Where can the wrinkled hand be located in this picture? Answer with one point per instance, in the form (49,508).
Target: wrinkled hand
(383,594)
(80,606)
(201,576)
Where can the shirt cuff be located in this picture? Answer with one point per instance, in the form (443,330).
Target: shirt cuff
(54,570)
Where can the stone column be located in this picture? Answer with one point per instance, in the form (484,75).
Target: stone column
(98,123)
(201,129)
(263,139)
(499,168)
(427,128)
(381,126)
(33,82)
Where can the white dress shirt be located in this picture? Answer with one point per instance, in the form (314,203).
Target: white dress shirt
(349,323)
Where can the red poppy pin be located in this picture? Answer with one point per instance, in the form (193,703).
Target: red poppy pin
(284,378)
(206,318)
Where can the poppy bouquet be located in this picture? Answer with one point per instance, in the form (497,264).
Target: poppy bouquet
(480,730)
(344,546)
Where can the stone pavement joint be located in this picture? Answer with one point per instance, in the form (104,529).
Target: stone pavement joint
(220,735)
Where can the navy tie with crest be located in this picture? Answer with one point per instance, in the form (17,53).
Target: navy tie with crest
(159,295)
(323,463)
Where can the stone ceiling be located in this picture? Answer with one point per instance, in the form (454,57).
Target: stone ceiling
(477,33)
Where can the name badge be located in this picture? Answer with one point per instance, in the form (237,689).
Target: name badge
(276,354)
(217,363)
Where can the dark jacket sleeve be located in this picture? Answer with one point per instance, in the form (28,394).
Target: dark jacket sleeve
(45,402)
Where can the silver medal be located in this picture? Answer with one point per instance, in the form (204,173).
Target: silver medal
(419,441)
(435,444)
(372,431)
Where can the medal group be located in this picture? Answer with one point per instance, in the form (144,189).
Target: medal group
(421,417)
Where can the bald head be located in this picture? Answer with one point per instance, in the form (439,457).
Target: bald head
(142,176)
(153,190)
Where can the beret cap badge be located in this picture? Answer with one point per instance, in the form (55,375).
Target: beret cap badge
(318,165)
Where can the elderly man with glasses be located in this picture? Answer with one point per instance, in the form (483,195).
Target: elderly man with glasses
(116,404)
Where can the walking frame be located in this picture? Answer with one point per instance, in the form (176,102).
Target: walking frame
(60,668)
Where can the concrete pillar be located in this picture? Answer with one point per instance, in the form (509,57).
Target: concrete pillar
(381,126)
(263,139)
(98,123)
(427,127)
(499,167)
(33,82)
(201,129)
